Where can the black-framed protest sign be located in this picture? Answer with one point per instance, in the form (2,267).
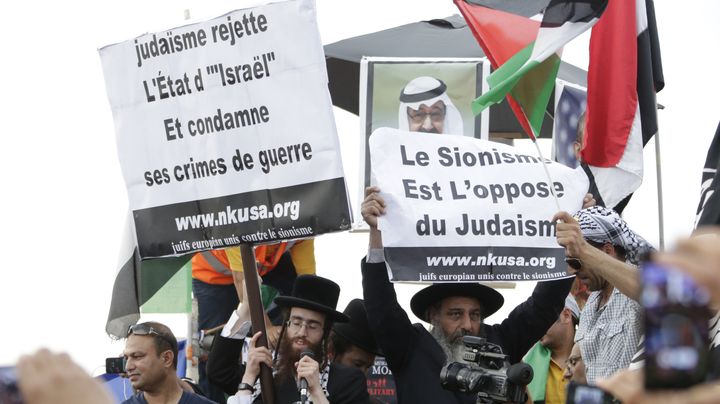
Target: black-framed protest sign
(463,210)
(225,131)
(420,95)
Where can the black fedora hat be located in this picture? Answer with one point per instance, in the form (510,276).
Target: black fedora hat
(357,330)
(314,293)
(490,299)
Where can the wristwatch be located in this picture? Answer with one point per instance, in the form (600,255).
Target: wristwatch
(245,386)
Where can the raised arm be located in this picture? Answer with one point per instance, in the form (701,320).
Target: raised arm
(623,276)
(389,322)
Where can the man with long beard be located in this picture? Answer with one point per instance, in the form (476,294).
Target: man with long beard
(416,356)
(310,315)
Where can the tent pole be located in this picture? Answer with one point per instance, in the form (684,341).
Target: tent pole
(661,224)
(257,317)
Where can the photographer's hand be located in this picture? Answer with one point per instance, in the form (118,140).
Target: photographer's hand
(699,257)
(628,387)
(48,378)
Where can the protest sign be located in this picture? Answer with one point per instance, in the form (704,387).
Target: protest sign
(381,383)
(462,209)
(225,131)
(419,95)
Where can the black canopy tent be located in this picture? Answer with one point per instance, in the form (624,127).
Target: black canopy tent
(446,37)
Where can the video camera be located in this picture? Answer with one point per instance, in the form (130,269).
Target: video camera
(489,374)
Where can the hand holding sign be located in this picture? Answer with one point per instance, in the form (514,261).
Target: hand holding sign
(372,207)
(461,209)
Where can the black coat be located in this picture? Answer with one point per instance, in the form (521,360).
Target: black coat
(415,358)
(345,385)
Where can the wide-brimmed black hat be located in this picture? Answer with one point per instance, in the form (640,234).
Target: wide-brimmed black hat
(490,299)
(357,330)
(314,293)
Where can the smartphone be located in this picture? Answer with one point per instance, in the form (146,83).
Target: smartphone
(115,365)
(584,394)
(9,393)
(676,328)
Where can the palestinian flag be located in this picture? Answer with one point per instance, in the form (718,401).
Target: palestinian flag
(523,40)
(624,74)
(160,285)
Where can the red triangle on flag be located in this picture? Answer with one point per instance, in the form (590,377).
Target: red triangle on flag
(490,27)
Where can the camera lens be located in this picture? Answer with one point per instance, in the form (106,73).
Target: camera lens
(448,376)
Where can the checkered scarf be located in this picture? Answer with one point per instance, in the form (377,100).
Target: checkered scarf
(324,378)
(603,225)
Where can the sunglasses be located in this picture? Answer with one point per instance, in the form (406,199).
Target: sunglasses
(574,263)
(144,329)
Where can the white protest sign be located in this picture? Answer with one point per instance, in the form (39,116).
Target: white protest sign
(462,209)
(225,131)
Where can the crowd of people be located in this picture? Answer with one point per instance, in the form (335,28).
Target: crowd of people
(582,330)
(322,355)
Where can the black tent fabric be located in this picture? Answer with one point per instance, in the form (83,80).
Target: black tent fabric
(446,37)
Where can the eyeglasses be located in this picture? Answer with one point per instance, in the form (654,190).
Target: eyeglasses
(418,117)
(574,263)
(297,323)
(573,360)
(144,329)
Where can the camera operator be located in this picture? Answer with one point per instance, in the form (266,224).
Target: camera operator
(416,356)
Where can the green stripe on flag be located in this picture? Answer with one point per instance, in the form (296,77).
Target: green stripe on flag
(503,79)
(530,83)
(533,91)
(165,285)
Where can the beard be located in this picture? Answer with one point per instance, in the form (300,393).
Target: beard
(288,355)
(452,344)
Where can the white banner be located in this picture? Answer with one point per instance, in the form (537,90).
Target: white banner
(225,131)
(463,209)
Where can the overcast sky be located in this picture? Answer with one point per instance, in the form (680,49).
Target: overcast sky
(64,199)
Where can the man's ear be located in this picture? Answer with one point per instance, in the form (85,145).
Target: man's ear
(565,315)
(609,249)
(432,314)
(167,358)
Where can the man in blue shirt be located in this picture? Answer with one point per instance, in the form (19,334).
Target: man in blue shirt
(151,352)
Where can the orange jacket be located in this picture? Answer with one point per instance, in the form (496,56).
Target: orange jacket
(212,267)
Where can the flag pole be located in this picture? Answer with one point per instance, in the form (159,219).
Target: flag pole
(257,317)
(661,223)
(547,172)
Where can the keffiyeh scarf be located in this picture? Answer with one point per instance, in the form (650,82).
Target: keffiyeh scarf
(324,376)
(603,225)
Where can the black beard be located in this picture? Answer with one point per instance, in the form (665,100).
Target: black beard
(287,357)
(432,130)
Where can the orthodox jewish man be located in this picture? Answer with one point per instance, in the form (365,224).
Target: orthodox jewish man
(310,314)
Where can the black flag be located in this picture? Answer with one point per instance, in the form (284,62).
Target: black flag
(708,210)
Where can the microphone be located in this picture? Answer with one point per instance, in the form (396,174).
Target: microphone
(303,382)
